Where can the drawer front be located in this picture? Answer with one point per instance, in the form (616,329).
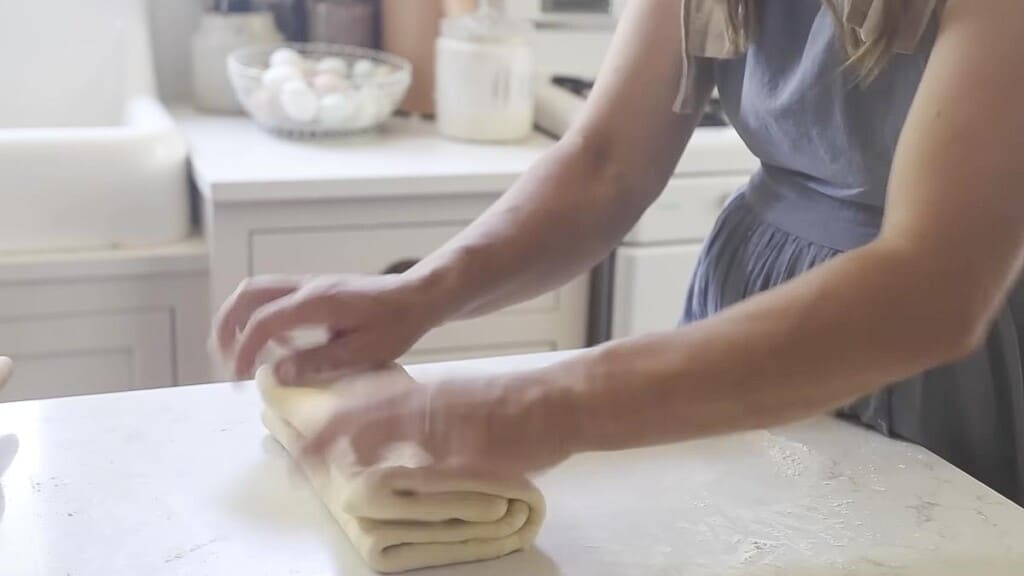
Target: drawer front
(686,210)
(650,287)
(359,250)
(88,354)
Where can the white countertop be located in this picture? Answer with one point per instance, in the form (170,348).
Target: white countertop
(188,256)
(185,481)
(234,161)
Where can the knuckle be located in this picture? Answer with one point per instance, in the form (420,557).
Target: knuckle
(244,287)
(260,323)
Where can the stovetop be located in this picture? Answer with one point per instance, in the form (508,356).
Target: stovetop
(713,114)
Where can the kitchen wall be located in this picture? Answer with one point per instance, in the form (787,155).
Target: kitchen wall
(173,22)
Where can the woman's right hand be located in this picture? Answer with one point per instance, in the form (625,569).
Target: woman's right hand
(370,320)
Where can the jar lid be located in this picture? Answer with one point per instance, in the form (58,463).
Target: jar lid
(488,24)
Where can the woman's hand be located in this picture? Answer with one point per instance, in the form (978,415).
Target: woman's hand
(371,321)
(480,423)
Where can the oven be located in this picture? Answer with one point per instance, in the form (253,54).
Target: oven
(566,13)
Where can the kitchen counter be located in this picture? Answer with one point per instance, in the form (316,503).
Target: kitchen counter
(185,481)
(233,160)
(188,256)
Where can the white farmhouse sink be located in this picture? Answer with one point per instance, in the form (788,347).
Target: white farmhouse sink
(89,157)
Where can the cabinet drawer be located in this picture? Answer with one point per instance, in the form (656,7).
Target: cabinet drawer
(650,287)
(686,210)
(88,354)
(358,250)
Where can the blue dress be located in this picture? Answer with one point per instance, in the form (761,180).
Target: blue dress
(826,150)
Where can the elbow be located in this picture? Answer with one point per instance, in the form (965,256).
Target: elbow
(963,333)
(945,315)
(958,327)
(597,150)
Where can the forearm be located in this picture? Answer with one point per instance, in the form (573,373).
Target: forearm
(853,325)
(570,209)
(563,216)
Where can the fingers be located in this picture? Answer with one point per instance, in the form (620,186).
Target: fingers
(370,428)
(339,426)
(248,297)
(331,360)
(275,319)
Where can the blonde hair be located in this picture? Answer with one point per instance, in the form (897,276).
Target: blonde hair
(865,57)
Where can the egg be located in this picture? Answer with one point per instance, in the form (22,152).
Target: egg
(287,57)
(364,69)
(333,65)
(299,101)
(339,110)
(383,71)
(326,83)
(277,76)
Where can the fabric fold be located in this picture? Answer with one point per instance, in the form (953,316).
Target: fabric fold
(705,32)
(401,515)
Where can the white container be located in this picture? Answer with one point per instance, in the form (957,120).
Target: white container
(219,35)
(484,86)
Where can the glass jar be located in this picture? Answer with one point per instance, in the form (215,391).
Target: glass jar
(484,80)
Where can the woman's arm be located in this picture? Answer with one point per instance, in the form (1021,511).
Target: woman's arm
(560,219)
(924,293)
(577,203)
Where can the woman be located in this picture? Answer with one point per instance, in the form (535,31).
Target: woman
(874,255)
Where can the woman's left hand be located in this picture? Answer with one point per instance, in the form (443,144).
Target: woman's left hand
(476,423)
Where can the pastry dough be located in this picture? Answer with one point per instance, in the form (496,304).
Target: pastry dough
(400,515)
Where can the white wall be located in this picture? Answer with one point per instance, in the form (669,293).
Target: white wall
(173,22)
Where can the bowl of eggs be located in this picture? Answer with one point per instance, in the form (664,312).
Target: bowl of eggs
(318,90)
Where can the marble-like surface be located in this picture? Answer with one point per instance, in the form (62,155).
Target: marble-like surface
(185,481)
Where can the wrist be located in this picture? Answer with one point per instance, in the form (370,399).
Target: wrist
(434,289)
(554,400)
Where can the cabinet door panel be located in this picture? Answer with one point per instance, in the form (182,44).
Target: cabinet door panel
(686,211)
(88,354)
(650,287)
(359,250)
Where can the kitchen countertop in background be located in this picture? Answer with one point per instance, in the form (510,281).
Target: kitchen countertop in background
(233,160)
(185,481)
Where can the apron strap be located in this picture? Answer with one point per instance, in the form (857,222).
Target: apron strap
(705,33)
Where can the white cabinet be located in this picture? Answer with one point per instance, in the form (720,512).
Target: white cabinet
(104,321)
(382,249)
(88,354)
(650,287)
(653,267)
(367,204)
(372,236)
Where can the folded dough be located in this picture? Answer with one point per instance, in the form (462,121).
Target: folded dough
(401,515)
